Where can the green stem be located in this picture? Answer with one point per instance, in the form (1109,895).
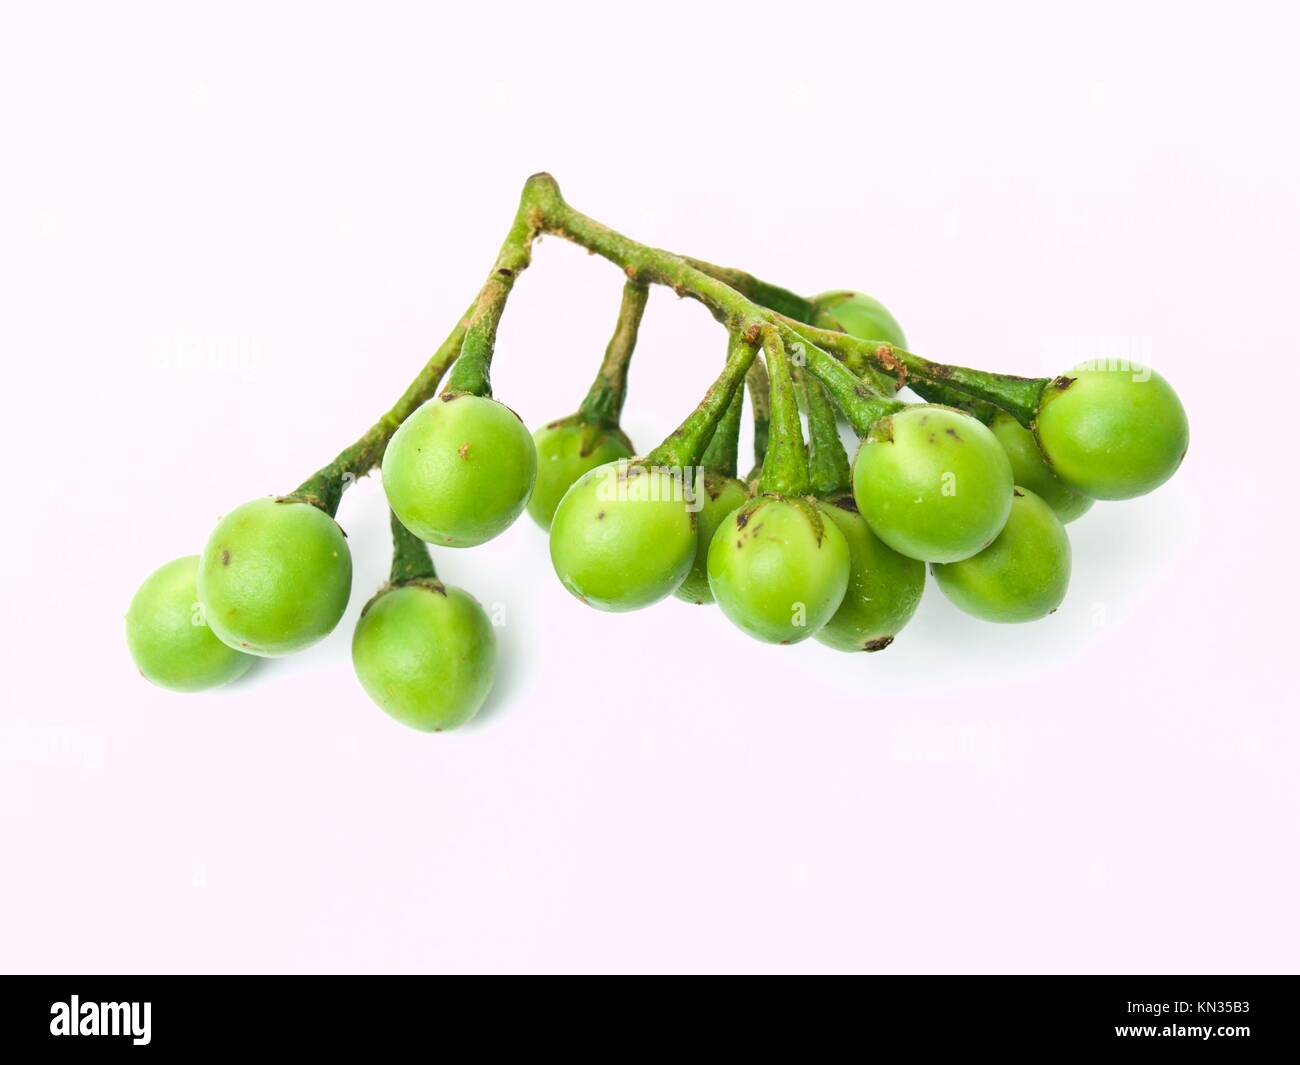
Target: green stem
(325,487)
(950,397)
(1019,396)
(685,447)
(756,384)
(471,373)
(720,456)
(411,558)
(604,402)
(828,464)
(861,404)
(785,469)
(781,300)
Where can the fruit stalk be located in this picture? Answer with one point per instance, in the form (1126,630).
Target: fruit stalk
(756,384)
(604,401)
(785,469)
(828,464)
(411,558)
(325,487)
(685,446)
(472,367)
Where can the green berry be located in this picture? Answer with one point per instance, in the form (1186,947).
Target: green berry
(622,537)
(565,451)
(275,576)
(884,587)
(426,654)
(459,470)
(169,638)
(721,495)
(1022,575)
(1030,470)
(1112,433)
(779,568)
(933,483)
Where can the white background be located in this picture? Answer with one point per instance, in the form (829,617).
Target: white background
(229,235)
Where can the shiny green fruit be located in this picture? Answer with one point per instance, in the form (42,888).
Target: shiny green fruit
(1112,433)
(459,470)
(884,587)
(779,568)
(720,496)
(426,654)
(275,576)
(1022,576)
(565,451)
(933,483)
(622,537)
(169,638)
(1030,470)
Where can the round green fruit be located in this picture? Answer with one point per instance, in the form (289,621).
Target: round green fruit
(459,470)
(426,654)
(720,496)
(169,638)
(884,587)
(565,451)
(622,537)
(275,576)
(1030,470)
(779,568)
(1022,575)
(1112,433)
(933,483)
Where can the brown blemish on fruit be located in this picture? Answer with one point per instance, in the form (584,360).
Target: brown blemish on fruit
(785,643)
(952,432)
(600,516)
(742,519)
(845,503)
(225,558)
(1062,383)
(877,644)
(463,450)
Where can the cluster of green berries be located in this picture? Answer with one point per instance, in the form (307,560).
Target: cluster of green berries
(983,501)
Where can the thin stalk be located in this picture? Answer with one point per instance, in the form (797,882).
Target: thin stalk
(1018,396)
(686,445)
(862,405)
(756,384)
(721,454)
(472,368)
(828,464)
(325,487)
(785,469)
(950,397)
(774,297)
(411,558)
(604,402)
